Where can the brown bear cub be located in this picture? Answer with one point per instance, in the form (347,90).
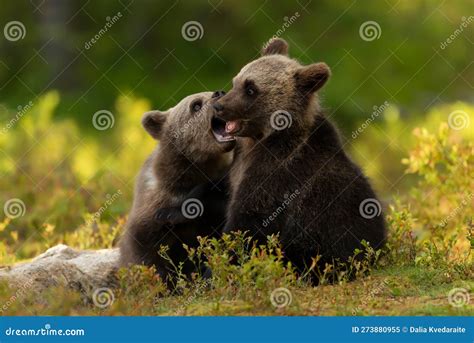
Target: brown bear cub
(290,174)
(180,174)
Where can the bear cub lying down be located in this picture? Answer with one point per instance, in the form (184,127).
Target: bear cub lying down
(178,195)
(290,174)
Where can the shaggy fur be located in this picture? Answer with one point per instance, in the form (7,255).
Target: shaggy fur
(296,181)
(184,165)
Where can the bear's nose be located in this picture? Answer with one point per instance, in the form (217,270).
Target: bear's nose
(218,94)
(218,106)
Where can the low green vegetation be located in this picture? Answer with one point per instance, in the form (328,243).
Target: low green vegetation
(426,267)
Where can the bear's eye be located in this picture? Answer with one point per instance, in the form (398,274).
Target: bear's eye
(196,106)
(250,88)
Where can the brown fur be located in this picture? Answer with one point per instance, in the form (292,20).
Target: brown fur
(187,156)
(306,158)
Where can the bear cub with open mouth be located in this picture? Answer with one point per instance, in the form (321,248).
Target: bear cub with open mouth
(290,174)
(179,193)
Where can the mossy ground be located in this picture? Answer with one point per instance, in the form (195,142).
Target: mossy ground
(429,253)
(387,292)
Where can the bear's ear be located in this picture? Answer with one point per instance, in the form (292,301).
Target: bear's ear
(153,122)
(312,77)
(275,46)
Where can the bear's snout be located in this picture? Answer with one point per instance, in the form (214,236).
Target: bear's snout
(229,106)
(218,107)
(218,94)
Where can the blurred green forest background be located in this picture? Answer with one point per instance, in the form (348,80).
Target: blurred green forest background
(54,78)
(144,51)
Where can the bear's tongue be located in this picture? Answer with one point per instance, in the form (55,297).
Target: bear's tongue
(232,126)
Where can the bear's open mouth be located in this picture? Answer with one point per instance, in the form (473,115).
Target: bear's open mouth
(218,127)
